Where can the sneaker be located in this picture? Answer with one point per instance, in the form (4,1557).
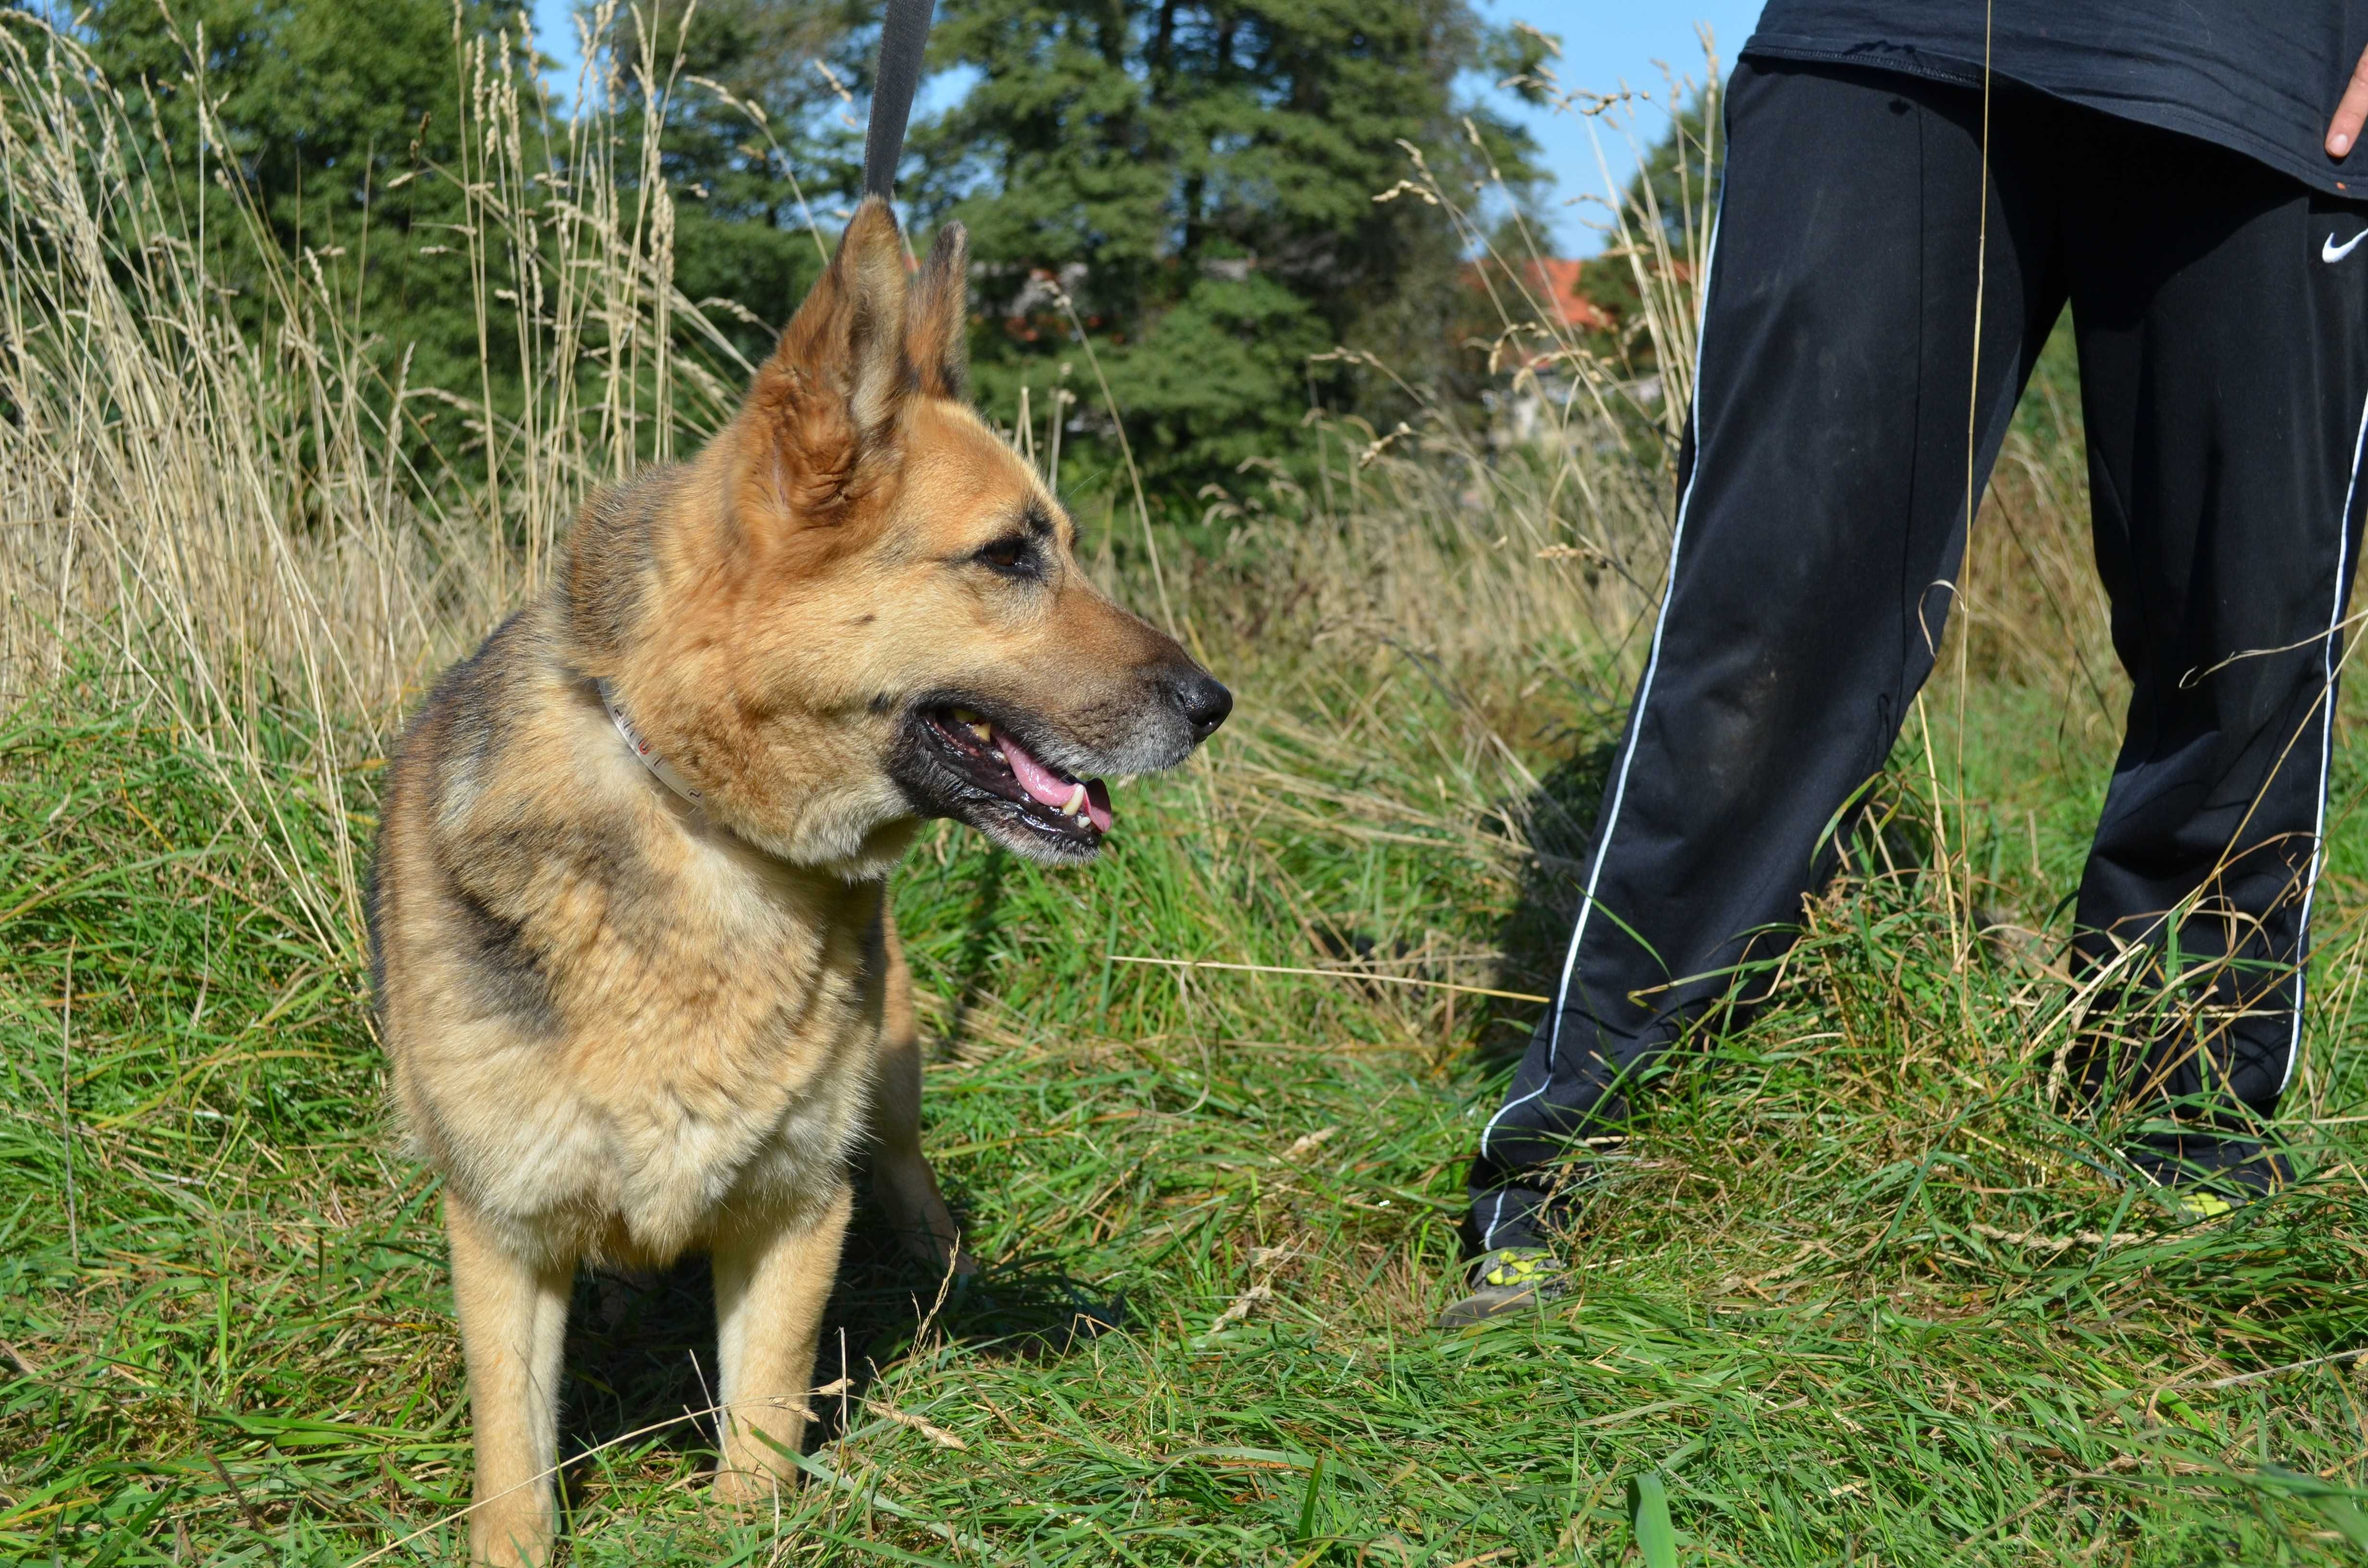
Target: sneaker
(1508,1280)
(2207,1176)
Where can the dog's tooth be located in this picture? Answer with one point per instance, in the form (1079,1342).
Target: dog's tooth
(1075,803)
(981,729)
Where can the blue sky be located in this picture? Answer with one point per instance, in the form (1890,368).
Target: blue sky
(1605,44)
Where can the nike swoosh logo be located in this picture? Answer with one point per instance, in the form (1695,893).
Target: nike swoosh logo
(2330,251)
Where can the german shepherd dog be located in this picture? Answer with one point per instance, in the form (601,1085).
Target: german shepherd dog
(640,1005)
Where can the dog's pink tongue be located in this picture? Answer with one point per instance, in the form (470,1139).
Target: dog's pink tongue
(1048,787)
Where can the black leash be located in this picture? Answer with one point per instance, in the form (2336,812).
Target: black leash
(902,36)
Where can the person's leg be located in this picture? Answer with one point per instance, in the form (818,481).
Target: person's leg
(2223,370)
(1821,508)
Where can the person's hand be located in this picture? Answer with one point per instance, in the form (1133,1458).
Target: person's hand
(2351,113)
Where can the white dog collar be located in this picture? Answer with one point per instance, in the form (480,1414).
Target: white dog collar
(658,766)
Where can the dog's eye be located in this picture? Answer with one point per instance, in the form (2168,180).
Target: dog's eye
(1013,555)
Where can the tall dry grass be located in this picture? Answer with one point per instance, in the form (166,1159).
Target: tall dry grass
(2035,612)
(1852,1281)
(223,528)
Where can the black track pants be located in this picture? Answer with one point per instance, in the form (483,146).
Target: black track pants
(2224,376)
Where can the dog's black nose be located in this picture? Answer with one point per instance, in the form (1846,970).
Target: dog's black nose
(1206,703)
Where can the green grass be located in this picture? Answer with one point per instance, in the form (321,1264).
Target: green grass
(1849,1298)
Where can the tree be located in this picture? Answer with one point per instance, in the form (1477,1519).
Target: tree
(320,107)
(1198,177)
(757,144)
(353,129)
(1668,205)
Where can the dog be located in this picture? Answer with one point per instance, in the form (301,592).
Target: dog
(634,970)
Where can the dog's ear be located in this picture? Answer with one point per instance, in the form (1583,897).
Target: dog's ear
(936,332)
(823,409)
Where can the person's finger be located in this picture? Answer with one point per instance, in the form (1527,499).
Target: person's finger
(2351,113)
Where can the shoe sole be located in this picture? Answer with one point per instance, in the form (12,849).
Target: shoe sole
(1475,1310)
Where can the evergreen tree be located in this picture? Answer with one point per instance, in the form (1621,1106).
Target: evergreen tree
(1199,175)
(1668,203)
(350,124)
(759,147)
(323,108)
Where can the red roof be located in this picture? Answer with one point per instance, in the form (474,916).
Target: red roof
(1552,283)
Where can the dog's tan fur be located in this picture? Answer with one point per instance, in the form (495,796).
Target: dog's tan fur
(624,1025)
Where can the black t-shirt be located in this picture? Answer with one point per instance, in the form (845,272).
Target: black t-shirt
(2261,77)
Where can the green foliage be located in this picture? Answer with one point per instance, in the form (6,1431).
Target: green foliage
(1648,1511)
(1201,178)
(756,145)
(1856,1289)
(1846,1295)
(355,129)
(1671,196)
(334,115)
(1676,188)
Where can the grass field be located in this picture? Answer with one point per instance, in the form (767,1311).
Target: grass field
(1848,1294)
(1852,1294)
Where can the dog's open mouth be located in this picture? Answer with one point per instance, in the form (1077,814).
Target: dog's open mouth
(1063,813)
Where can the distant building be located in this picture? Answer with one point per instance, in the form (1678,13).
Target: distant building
(1542,289)
(1537,291)
(1552,281)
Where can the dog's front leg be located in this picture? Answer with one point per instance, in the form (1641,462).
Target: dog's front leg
(771,1281)
(902,1182)
(513,1327)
